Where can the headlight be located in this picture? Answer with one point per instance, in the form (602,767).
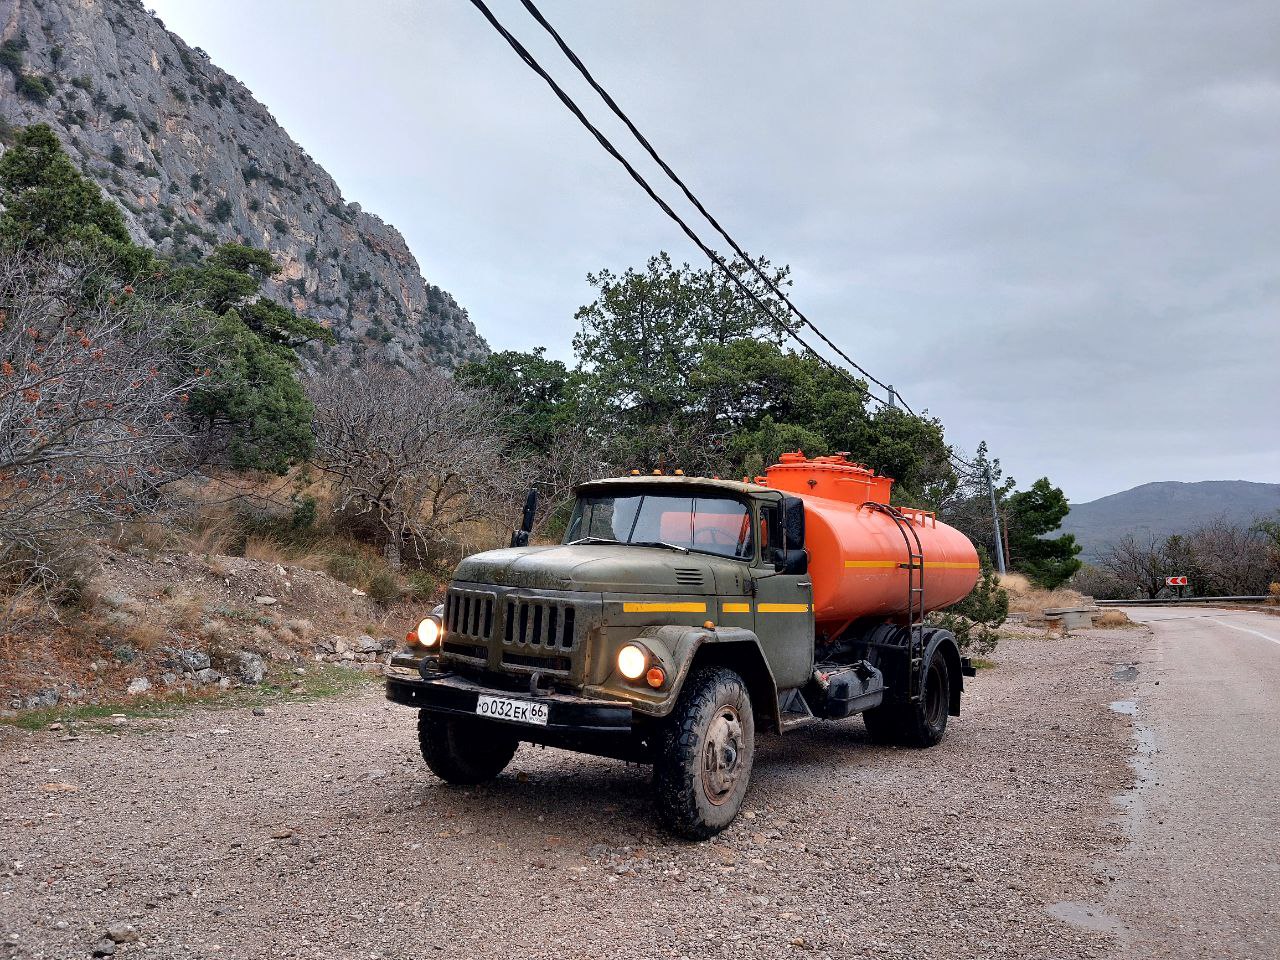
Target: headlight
(429,632)
(632,661)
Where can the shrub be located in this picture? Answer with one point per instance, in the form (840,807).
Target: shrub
(422,586)
(117,156)
(975,618)
(303,516)
(1274,598)
(35,87)
(11,56)
(222,210)
(384,587)
(347,568)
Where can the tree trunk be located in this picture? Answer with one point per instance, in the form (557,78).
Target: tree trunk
(391,552)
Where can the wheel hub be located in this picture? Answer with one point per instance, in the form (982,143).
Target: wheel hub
(722,754)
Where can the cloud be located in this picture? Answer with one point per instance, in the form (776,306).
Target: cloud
(1054,226)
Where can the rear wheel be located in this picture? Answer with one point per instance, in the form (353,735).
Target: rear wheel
(921,723)
(704,760)
(464,751)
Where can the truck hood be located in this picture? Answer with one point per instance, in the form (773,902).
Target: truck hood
(604,568)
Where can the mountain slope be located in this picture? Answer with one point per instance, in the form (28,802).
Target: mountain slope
(1168,507)
(195,160)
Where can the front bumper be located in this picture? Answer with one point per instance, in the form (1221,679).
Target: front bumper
(449,693)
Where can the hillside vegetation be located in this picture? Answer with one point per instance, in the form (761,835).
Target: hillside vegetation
(1162,509)
(162,404)
(194,161)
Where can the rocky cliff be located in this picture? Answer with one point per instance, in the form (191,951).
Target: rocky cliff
(195,160)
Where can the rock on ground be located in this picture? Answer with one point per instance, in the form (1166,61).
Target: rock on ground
(318,830)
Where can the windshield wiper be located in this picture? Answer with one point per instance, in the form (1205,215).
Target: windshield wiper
(574,543)
(659,543)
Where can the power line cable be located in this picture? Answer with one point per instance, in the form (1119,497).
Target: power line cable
(573,58)
(711,254)
(715,258)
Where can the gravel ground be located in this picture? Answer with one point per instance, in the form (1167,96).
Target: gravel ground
(316,830)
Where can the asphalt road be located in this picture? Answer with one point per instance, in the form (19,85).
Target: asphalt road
(1201,877)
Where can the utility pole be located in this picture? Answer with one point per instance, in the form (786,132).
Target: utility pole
(995,519)
(893,396)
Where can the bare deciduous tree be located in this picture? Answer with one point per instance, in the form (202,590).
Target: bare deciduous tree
(1139,563)
(93,386)
(1219,558)
(1230,560)
(415,456)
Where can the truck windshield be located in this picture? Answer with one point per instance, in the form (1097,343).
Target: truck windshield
(718,525)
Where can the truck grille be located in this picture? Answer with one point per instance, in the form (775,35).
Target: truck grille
(468,614)
(526,632)
(539,623)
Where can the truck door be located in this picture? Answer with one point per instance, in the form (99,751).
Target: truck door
(783,601)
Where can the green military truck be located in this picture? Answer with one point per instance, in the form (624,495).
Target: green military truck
(679,617)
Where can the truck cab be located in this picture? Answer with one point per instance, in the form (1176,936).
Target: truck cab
(674,621)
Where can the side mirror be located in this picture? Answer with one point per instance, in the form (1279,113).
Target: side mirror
(793,523)
(795,558)
(796,563)
(520,538)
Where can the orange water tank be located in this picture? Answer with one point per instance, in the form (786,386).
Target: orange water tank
(857,552)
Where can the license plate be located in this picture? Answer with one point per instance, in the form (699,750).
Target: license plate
(521,711)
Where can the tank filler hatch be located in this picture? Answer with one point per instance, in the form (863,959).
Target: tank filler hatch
(835,478)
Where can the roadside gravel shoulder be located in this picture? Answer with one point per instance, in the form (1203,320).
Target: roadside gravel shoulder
(316,830)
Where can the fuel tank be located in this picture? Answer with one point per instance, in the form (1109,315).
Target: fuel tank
(858,550)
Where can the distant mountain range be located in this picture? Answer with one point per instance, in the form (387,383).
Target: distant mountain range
(1167,507)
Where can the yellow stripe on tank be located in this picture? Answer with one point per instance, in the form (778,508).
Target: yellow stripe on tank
(895,564)
(735,607)
(658,607)
(782,608)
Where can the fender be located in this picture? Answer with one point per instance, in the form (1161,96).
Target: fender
(942,643)
(735,647)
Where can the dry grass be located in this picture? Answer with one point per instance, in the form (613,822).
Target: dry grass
(183,609)
(265,550)
(148,536)
(208,540)
(1113,619)
(1025,597)
(130,623)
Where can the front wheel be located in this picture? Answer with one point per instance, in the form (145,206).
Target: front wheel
(464,751)
(704,760)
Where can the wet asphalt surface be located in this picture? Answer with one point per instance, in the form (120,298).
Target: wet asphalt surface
(1201,877)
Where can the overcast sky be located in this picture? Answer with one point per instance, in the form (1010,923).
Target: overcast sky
(1056,226)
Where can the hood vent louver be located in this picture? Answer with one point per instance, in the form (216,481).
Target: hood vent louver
(688,576)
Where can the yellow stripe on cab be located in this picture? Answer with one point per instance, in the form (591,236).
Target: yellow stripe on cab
(645,606)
